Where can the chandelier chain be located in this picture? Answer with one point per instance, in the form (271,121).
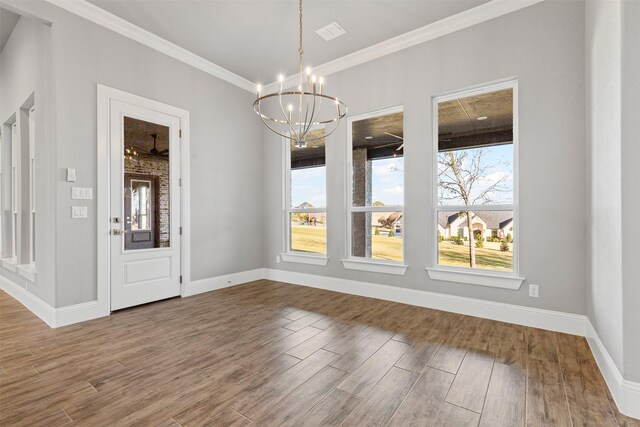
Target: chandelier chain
(300,51)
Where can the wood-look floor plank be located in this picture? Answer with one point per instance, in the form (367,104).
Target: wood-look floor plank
(383,400)
(363,379)
(352,359)
(286,411)
(583,383)
(546,399)
(470,386)
(331,411)
(505,401)
(422,405)
(455,416)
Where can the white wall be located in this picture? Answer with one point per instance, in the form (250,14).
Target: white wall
(542,45)
(25,69)
(226,149)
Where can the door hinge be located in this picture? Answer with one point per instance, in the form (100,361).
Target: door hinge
(181,231)
(181,278)
(179,182)
(180,133)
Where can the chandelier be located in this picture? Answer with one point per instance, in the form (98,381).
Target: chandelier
(293,113)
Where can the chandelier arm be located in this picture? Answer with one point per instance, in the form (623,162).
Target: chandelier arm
(313,114)
(313,118)
(275,131)
(285,115)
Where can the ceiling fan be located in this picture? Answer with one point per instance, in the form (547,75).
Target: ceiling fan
(154,151)
(399,137)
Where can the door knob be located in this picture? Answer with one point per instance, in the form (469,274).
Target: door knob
(118,232)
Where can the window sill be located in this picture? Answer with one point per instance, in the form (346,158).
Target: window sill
(396,269)
(9,264)
(28,271)
(304,259)
(474,278)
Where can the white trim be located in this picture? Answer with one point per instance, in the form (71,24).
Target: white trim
(371,265)
(105,96)
(34,304)
(476,278)
(360,263)
(460,21)
(79,313)
(108,20)
(28,271)
(10,264)
(509,83)
(535,317)
(54,317)
(303,258)
(220,282)
(625,393)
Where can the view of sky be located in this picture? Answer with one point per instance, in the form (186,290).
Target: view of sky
(308,185)
(498,161)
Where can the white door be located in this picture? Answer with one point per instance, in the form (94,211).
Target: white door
(144,205)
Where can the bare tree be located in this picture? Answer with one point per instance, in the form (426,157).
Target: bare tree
(459,174)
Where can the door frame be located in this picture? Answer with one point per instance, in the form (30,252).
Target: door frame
(105,96)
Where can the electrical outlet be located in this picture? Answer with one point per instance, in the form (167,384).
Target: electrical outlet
(533,291)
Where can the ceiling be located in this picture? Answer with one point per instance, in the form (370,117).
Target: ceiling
(485,119)
(8,21)
(258,39)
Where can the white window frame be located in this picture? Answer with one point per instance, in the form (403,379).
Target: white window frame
(289,255)
(15,173)
(491,278)
(32,186)
(351,262)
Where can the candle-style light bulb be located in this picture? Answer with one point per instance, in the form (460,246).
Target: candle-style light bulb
(321,81)
(281,80)
(308,71)
(258,89)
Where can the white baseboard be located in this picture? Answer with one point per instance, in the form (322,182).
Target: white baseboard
(54,317)
(38,307)
(626,393)
(534,317)
(219,282)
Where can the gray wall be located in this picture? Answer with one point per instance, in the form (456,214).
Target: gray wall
(25,69)
(226,149)
(543,46)
(613,63)
(631,187)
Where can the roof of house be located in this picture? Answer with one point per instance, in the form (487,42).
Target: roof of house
(493,219)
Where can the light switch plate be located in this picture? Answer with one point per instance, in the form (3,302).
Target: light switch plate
(71,175)
(79,212)
(79,193)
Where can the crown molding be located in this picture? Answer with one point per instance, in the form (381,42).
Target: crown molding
(468,18)
(108,20)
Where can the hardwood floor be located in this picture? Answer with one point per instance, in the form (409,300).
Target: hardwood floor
(274,354)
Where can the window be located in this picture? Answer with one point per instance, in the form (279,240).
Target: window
(475,210)
(140,204)
(306,200)
(15,147)
(32,186)
(376,196)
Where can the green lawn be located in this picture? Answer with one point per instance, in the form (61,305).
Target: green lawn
(490,257)
(307,238)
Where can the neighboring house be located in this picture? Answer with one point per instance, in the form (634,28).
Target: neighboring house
(486,224)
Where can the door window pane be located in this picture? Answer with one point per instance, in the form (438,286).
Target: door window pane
(146,185)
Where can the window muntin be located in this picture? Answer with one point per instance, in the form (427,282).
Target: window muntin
(376,208)
(306,216)
(475,140)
